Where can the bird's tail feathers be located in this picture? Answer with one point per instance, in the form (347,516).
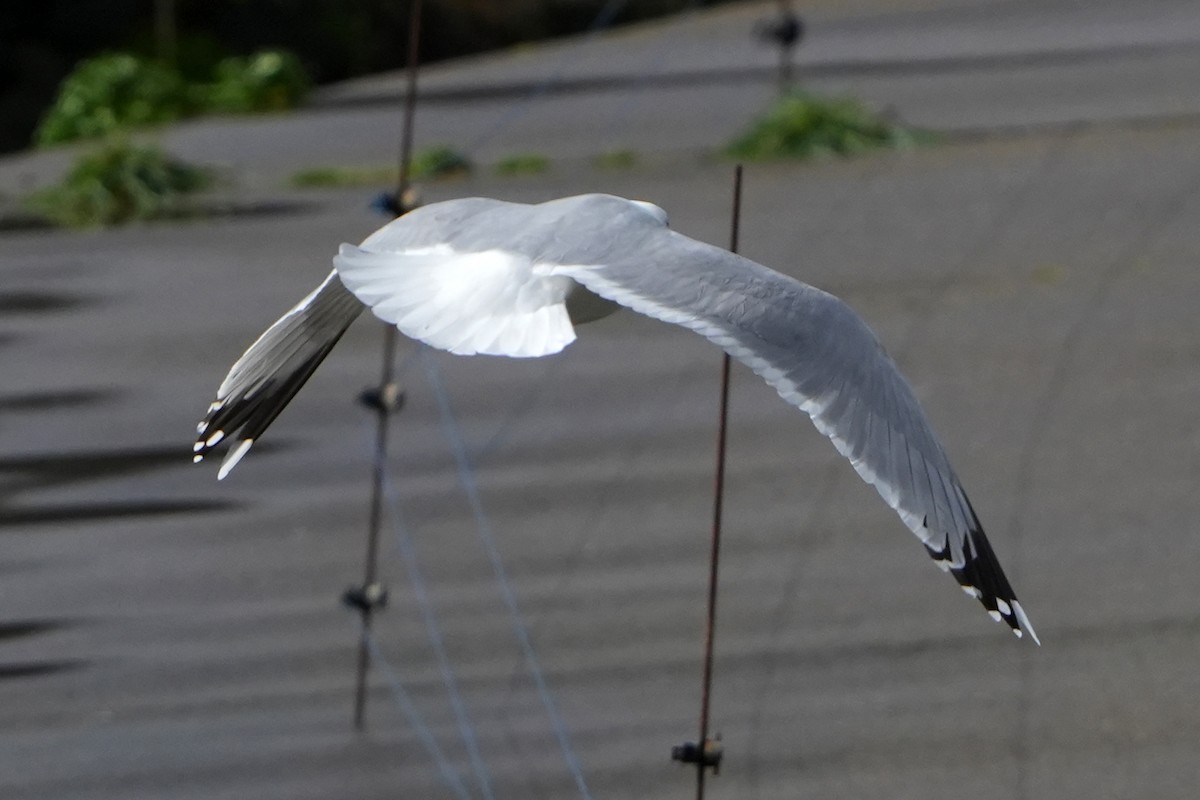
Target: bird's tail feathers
(262,382)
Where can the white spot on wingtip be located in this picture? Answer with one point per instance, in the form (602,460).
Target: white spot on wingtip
(1017,632)
(201,428)
(1019,613)
(196,459)
(971,591)
(197,447)
(995,615)
(216,437)
(1003,606)
(233,457)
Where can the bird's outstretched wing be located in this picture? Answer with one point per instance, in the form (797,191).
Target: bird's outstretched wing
(273,369)
(822,358)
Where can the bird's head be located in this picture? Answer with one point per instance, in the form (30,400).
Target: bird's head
(653,211)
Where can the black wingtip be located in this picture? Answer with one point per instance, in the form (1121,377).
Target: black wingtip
(981,577)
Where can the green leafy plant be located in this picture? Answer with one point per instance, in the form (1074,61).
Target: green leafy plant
(271,80)
(118,91)
(438,162)
(111,92)
(523,164)
(806,126)
(119,183)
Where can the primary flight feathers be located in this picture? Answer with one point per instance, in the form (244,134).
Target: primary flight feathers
(490,277)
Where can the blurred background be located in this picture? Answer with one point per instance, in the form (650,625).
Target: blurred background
(1005,190)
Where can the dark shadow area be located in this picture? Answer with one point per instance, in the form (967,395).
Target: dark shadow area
(47,515)
(22,222)
(252,210)
(30,473)
(37,669)
(46,401)
(29,302)
(24,473)
(20,629)
(201,210)
(30,627)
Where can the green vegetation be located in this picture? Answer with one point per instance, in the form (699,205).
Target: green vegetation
(438,162)
(111,92)
(118,91)
(430,164)
(271,80)
(120,183)
(1048,274)
(343,177)
(616,159)
(523,164)
(804,126)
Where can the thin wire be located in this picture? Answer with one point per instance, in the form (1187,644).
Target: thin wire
(415,720)
(517,411)
(404,544)
(483,526)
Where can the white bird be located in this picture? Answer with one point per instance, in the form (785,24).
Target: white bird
(490,277)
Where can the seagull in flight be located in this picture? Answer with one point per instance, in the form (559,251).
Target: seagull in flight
(480,276)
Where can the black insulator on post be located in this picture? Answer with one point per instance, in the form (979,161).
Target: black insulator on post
(393,205)
(786,31)
(366,599)
(709,756)
(385,399)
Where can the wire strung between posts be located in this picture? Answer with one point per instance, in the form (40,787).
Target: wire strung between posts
(518,410)
(404,544)
(413,716)
(483,526)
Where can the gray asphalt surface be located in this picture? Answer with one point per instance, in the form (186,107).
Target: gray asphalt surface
(166,636)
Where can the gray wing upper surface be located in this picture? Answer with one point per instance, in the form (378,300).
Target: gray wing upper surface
(821,357)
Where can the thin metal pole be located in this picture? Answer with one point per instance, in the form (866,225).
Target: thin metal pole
(410,104)
(718,501)
(387,387)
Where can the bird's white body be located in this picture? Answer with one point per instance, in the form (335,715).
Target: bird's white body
(478,276)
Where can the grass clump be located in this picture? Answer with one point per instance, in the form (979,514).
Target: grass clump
(438,162)
(802,126)
(120,183)
(523,164)
(342,177)
(430,164)
(616,159)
